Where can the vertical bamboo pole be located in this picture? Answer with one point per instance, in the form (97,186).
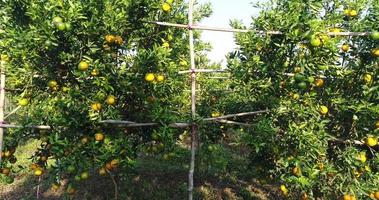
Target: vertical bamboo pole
(2,102)
(193,99)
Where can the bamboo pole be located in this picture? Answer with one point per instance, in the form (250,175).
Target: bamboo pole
(193,99)
(203,71)
(219,29)
(235,115)
(40,127)
(2,104)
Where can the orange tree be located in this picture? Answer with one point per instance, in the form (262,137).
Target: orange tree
(71,64)
(320,138)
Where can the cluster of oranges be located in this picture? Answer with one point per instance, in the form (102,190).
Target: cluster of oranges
(113,40)
(151,77)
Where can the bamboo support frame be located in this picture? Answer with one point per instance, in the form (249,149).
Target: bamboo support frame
(193,71)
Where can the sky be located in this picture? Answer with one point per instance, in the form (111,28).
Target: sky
(223,12)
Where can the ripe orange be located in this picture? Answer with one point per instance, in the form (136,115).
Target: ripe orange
(296,171)
(160,78)
(95,72)
(110,39)
(347,197)
(166,7)
(7,154)
(118,40)
(83,66)
(149,77)
(55,186)
(111,100)
(304,196)
(319,83)
(33,166)
(108,166)
(5,171)
(99,136)
(367,78)
(375,52)
(284,190)
(345,47)
(371,141)
(114,163)
(96,106)
(102,171)
(52,84)
(376,194)
(43,158)
(353,13)
(324,110)
(38,172)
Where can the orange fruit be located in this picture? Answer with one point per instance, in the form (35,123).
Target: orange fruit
(149,77)
(99,136)
(111,100)
(83,66)
(371,141)
(375,52)
(23,102)
(345,48)
(84,140)
(38,172)
(110,39)
(296,171)
(43,158)
(376,194)
(324,110)
(84,175)
(319,83)
(304,196)
(347,197)
(95,72)
(102,171)
(118,40)
(114,163)
(7,154)
(55,186)
(166,45)
(166,7)
(96,106)
(5,171)
(108,166)
(160,78)
(353,13)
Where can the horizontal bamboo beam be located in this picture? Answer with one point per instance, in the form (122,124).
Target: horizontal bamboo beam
(202,71)
(41,127)
(219,29)
(232,122)
(235,115)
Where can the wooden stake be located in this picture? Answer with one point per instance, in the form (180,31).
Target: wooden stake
(193,99)
(2,104)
